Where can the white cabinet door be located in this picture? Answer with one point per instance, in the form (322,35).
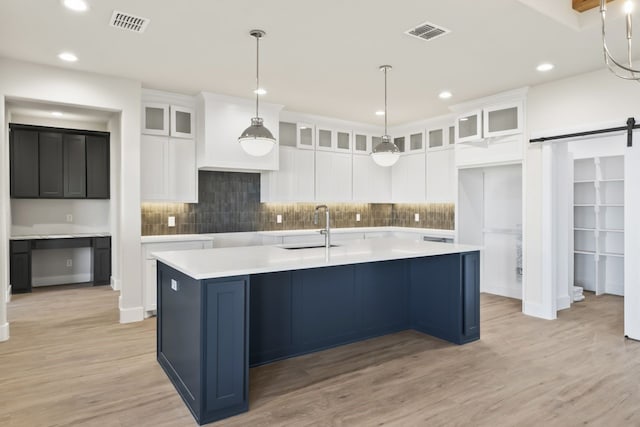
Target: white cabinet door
(154,179)
(469,127)
(441,176)
(502,119)
(333,176)
(371,183)
(168,169)
(408,179)
(155,118)
(294,181)
(182,122)
(183,174)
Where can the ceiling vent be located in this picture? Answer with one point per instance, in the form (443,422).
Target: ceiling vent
(128,22)
(427,31)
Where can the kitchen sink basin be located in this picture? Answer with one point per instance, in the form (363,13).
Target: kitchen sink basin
(304,246)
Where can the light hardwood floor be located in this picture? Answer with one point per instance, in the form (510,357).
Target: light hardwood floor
(69,363)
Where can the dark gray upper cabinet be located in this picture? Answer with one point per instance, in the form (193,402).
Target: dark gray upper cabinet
(59,163)
(98,167)
(24,163)
(75,167)
(51,173)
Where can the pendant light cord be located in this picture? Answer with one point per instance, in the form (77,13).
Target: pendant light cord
(257,72)
(385,100)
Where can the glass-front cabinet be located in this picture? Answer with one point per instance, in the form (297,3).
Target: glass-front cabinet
(501,120)
(343,141)
(155,118)
(362,143)
(325,139)
(305,136)
(469,127)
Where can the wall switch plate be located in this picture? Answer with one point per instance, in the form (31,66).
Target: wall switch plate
(69,263)
(416,217)
(174,285)
(357,217)
(69,218)
(278,219)
(172,221)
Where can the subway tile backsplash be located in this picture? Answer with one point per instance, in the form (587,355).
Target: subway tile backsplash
(230,202)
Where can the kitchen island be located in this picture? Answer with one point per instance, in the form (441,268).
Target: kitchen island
(223,310)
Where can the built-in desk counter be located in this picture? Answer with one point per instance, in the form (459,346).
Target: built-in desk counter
(223,310)
(22,246)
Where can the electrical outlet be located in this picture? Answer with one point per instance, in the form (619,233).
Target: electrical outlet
(69,218)
(172,221)
(69,263)
(174,285)
(416,217)
(278,219)
(358,217)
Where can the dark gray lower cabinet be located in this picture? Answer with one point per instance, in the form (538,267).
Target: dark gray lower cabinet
(210,331)
(20,266)
(202,342)
(101,260)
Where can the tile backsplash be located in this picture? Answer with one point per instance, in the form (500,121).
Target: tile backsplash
(230,202)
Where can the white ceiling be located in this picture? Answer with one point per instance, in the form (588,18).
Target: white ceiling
(319,57)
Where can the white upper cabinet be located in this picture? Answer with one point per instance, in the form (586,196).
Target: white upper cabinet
(221,120)
(408,179)
(415,142)
(294,181)
(362,143)
(344,141)
(305,136)
(469,127)
(325,139)
(167,119)
(155,118)
(501,120)
(168,169)
(333,173)
(440,176)
(371,183)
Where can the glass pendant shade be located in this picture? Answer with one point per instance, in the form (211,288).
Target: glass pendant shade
(257,140)
(385,153)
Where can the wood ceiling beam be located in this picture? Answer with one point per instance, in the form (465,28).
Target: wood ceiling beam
(584,5)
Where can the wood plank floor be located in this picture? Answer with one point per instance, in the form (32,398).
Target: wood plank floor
(69,363)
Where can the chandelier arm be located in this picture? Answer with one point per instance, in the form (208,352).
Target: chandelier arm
(608,58)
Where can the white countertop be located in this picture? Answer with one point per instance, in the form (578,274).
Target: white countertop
(58,236)
(225,262)
(177,238)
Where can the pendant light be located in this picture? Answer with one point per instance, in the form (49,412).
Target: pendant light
(385,153)
(257,140)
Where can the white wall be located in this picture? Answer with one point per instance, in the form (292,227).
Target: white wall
(21,80)
(588,101)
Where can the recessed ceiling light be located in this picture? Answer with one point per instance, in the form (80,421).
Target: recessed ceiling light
(260,91)
(68,56)
(76,5)
(56,113)
(445,94)
(379,113)
(545,67)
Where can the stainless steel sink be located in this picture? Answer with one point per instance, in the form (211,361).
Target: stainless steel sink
(304,246)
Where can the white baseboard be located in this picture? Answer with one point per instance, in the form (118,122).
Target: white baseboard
(4,332)
(61,280)
(563,302)
(504,291)
(115,284)
(538,310)
(130,314)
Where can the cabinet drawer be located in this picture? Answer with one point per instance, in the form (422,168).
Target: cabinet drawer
(80,242)
(20,246)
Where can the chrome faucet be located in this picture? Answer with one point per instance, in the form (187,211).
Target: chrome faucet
(327,225)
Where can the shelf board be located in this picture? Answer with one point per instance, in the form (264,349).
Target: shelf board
(584,181)
(611,230)
(583,229)
(612,180)
(611,205)
(584,205)
(612,254)
(584,252)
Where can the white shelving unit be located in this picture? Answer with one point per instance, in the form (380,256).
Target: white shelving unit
(598,209)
